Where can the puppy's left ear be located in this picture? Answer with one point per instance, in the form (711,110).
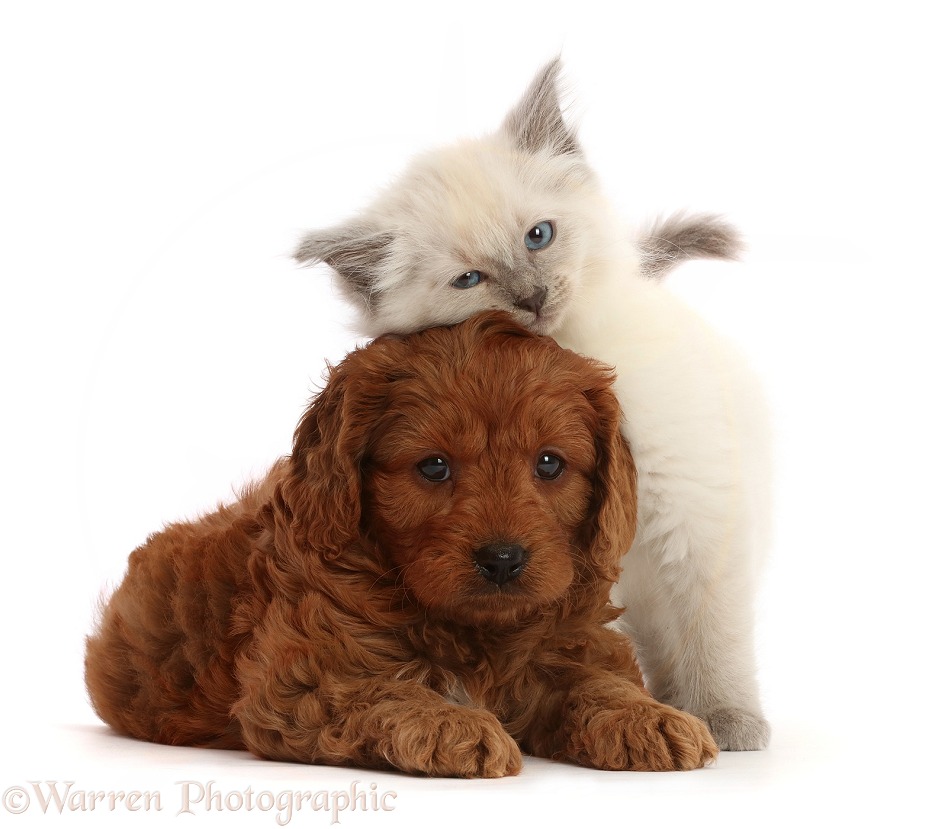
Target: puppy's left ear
(612,523)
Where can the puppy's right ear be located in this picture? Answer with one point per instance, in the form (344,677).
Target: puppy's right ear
(320,499)
(356,252)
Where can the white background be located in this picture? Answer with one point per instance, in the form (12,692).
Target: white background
(158,162)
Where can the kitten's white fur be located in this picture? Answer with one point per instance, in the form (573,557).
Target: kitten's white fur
(694,417)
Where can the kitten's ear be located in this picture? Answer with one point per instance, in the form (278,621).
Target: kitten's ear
(355,251)
(536,123)
(682,236)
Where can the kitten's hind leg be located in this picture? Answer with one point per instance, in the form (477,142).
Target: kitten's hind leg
(691,622)
(680,237)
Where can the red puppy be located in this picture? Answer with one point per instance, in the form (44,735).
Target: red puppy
(422,585)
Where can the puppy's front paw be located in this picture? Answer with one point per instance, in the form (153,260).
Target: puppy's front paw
(738,730)
(459,742)
(647,736)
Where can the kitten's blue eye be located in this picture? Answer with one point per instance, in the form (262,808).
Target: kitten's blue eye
(468,280)
(539,236)
(435,469)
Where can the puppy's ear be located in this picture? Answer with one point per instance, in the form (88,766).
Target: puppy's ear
(356,251)
(323,490)
(612,523)
(536,122)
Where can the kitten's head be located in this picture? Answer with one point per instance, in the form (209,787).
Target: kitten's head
(510,221)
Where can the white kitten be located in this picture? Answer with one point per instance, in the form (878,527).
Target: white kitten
(517,221)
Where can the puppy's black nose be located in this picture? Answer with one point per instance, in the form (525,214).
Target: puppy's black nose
(500,562)
(534,302)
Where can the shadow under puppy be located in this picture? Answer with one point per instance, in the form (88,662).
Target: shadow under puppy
(423,584)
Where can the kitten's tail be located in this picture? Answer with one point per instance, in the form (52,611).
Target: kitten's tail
(681,237)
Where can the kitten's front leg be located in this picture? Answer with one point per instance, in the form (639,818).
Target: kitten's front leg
(692,625)
(292,712)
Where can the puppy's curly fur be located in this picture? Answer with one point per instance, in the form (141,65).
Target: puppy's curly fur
(346,610)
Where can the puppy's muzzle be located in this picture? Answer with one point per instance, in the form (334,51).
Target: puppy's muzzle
(500,562)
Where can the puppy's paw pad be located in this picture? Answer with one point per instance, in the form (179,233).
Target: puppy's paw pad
(464,743)
(738,730)
(472,748)
(647,736)
(690,742)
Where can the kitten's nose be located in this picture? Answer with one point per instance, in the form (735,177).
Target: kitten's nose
(500,562)
(534,302)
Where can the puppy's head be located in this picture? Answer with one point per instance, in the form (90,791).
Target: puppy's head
(482,462)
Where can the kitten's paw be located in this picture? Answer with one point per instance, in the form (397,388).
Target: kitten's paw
(462,742)
(737,730)
(647,736)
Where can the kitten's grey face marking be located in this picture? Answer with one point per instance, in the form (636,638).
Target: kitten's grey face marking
(537,238)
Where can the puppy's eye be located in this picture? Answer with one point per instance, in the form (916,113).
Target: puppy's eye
(550,466)
(435,469)
(539,236)
(468,280)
